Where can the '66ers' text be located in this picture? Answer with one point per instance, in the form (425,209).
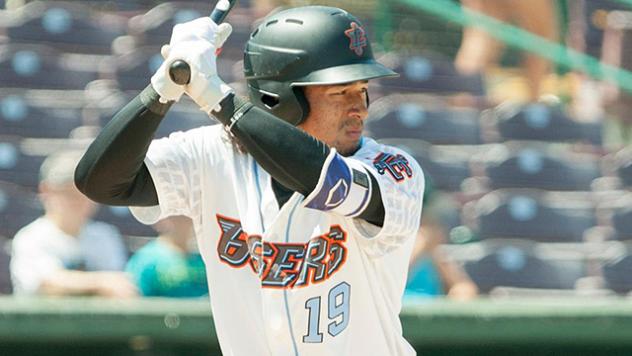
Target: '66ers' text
(282,265)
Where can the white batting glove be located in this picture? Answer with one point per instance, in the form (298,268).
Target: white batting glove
(195,42)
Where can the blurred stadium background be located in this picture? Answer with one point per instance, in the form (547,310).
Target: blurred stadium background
(534,194)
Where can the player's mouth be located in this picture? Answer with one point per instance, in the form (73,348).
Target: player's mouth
(353,134)
(353,129)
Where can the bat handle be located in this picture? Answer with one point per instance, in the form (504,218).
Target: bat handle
(179,70)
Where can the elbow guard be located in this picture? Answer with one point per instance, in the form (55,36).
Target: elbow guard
(344,187)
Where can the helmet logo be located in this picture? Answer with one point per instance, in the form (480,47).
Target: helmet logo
(357,38)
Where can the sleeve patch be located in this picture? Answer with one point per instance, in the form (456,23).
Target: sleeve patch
(337,194)
(344,187)
(334,188)
(360,178)
(396,165)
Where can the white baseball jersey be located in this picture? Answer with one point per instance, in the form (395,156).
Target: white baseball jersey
(303,279)
(40,249)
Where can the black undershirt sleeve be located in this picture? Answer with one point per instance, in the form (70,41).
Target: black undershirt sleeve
(290,155)
(112,171)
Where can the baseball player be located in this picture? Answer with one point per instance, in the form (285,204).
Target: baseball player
(305,226)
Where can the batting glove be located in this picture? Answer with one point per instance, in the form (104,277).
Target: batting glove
(196,43)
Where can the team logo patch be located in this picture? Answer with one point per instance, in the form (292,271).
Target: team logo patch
(396,165)
(357,38)
(282,265)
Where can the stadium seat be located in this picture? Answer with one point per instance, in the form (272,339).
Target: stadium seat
(622,223)
(625,174)
(153,28)
(431,73)
(447,166)
(42,67)
(126,7)
(122,218)
(520,266)
(534,215)
(537,167)
(133,70)
(20,115)
(617,274)
(183,118)
(6,286)
(17,167)
(70,27)
(541,122)
(434,125)
(18,207)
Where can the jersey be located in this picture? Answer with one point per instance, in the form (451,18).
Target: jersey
(290,280)
(40,249)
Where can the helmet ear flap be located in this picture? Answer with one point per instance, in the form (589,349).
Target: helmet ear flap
(284,101)
(299,94)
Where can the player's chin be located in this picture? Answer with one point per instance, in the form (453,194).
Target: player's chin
(348,148)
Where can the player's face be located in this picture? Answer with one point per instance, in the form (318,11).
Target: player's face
(337,114)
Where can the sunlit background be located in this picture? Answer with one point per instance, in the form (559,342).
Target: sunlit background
(519,112)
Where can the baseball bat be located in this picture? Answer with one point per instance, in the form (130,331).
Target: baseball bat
(179,70)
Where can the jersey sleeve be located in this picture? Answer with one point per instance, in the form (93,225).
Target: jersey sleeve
(175,164)
(401,182)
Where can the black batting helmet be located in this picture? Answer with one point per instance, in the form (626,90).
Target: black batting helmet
(311,45)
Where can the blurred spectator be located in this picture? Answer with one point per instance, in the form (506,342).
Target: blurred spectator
(608,35)
(432,273)
(64,252)
(480,51)
(260,8)
(170,266)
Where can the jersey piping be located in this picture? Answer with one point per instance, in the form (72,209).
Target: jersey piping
(255,167)
(287,308)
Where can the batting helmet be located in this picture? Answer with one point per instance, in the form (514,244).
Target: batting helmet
(311,45)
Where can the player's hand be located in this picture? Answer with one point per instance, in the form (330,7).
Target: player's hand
(115,285)
(196,43)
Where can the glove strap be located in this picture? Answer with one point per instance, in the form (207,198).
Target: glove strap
(232,109)
(238,115)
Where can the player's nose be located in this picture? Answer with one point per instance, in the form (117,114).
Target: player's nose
(358,108)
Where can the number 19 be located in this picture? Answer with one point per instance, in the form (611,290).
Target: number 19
(338,306)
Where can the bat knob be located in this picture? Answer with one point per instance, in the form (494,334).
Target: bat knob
(180,72)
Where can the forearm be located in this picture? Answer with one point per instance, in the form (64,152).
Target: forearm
(67,282)
(102,283)
(452,274)
(291,156)
(112,170)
